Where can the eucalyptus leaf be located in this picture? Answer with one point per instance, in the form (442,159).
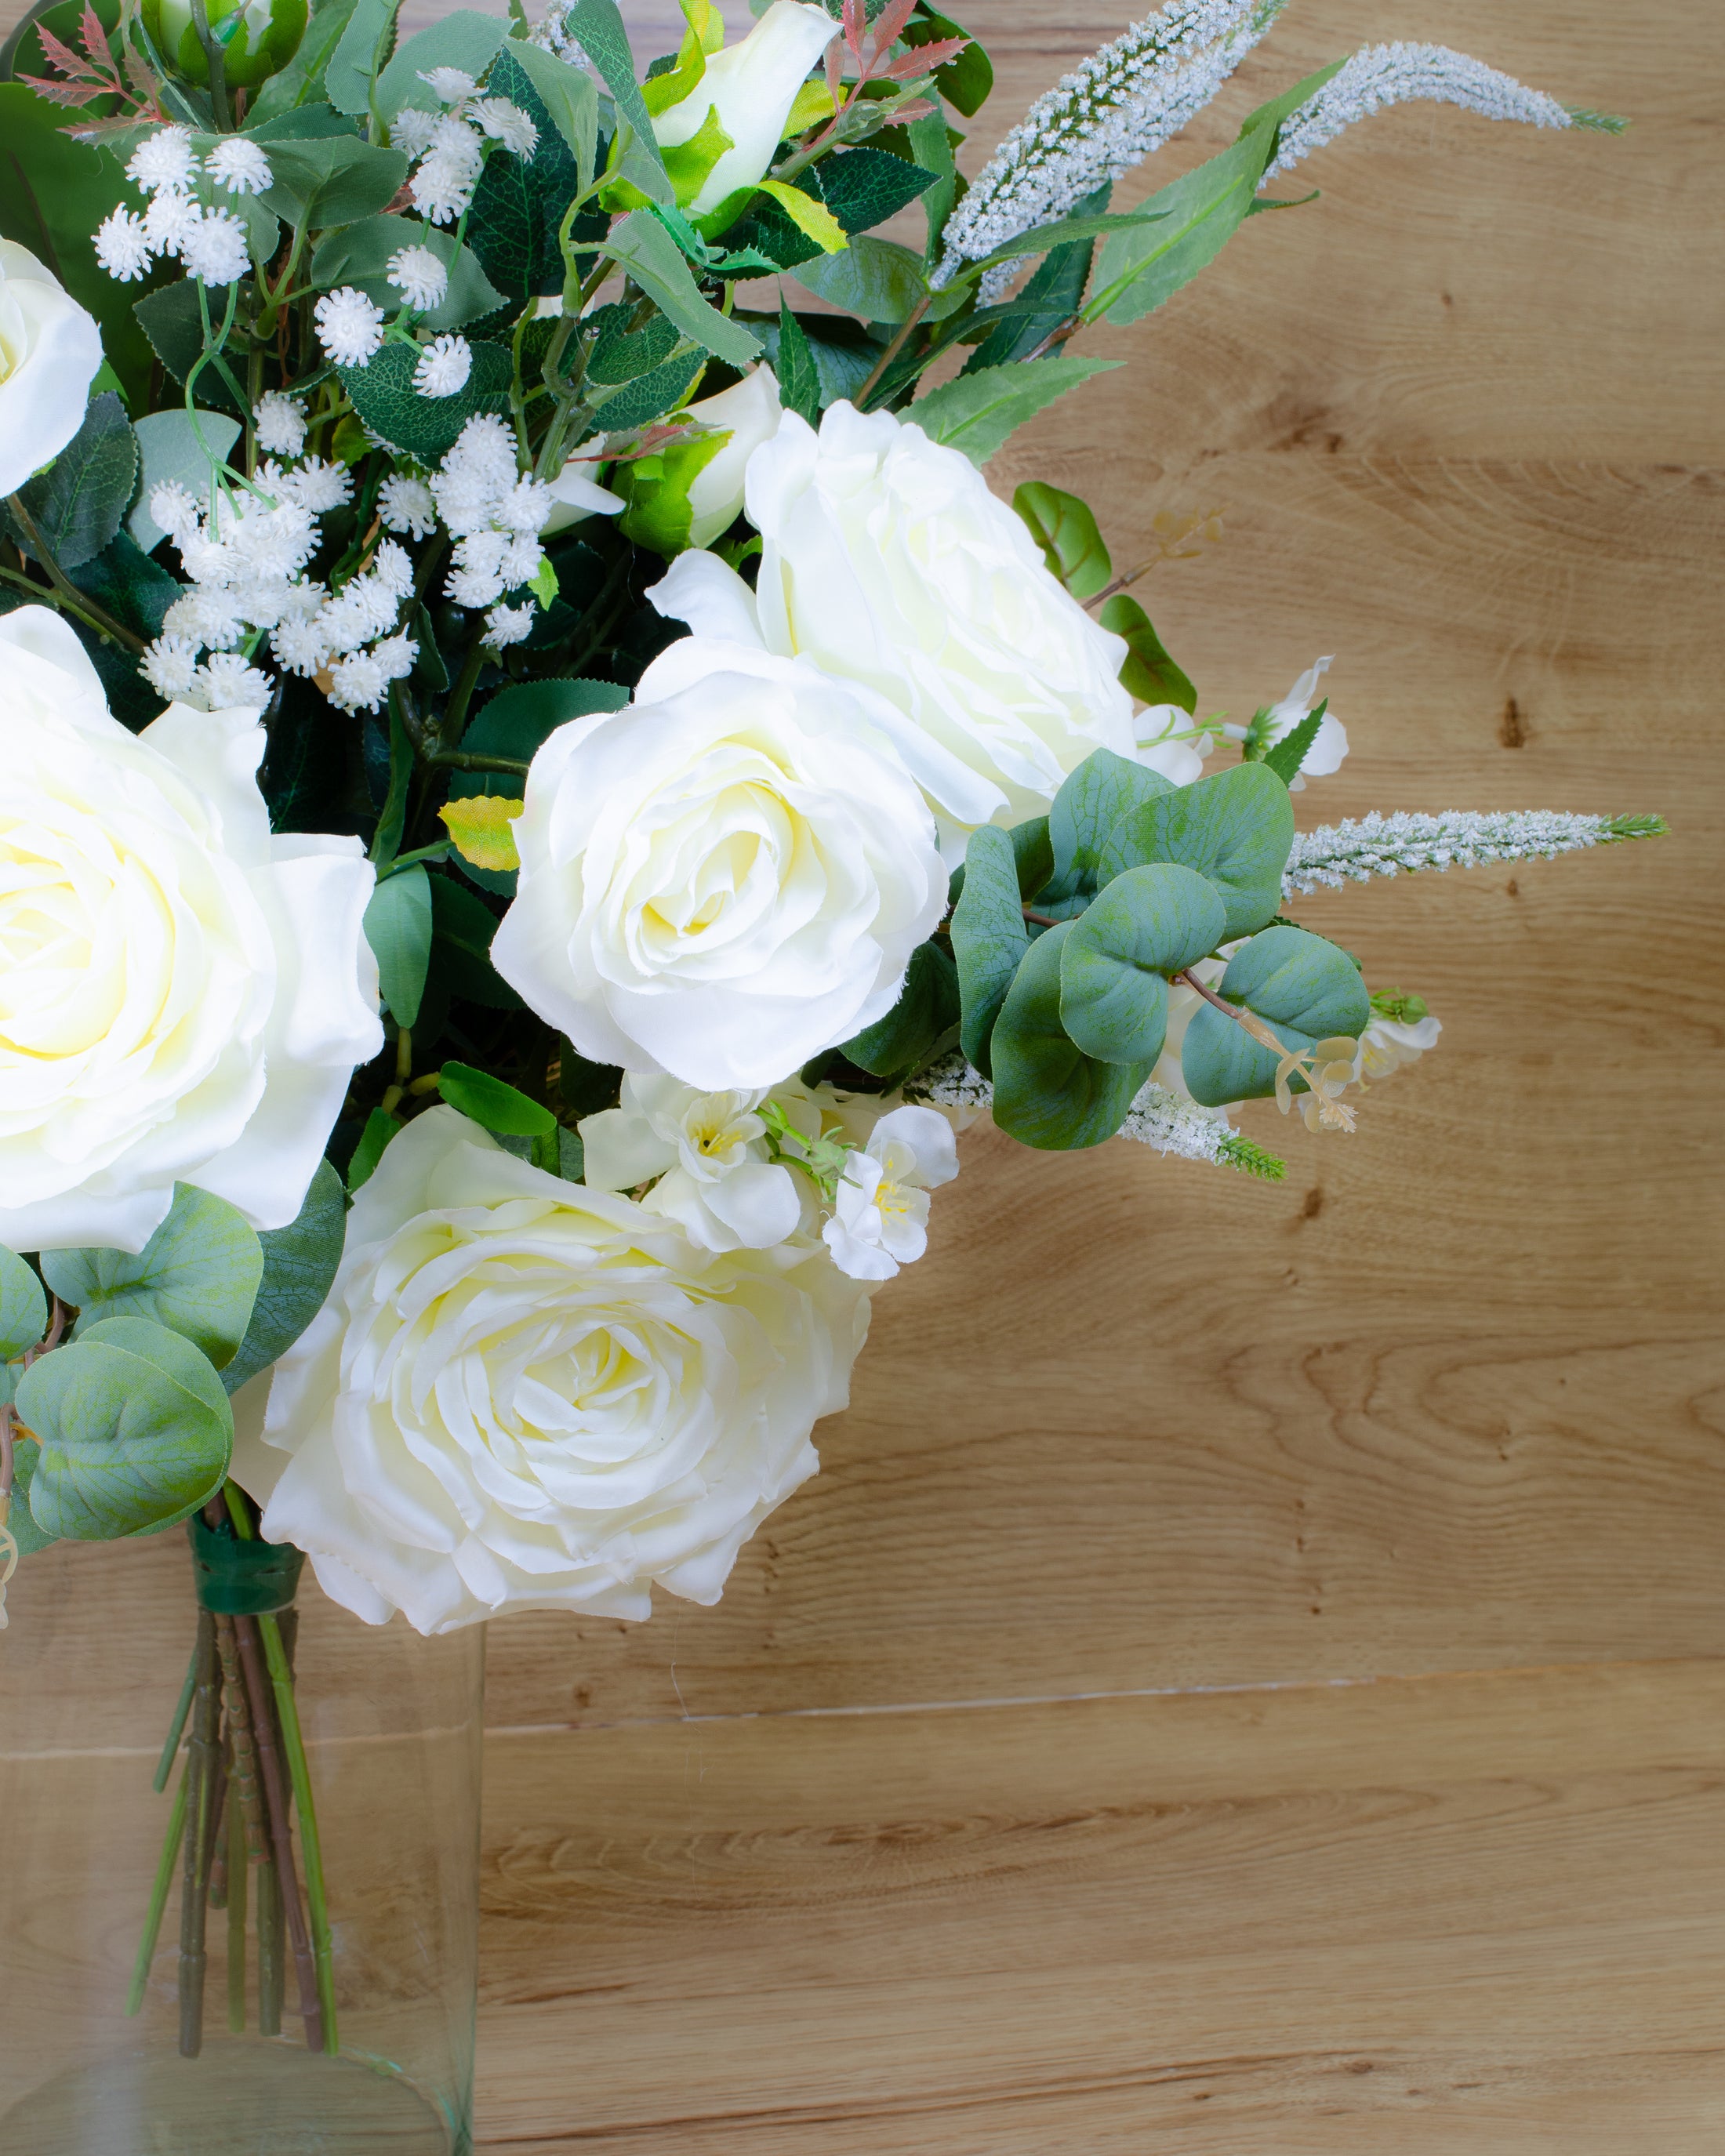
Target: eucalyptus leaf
(1234,827)
(25,1531)
(1092,800)
(197,1275)
(397,924)
(1146,925)
(1047,1092)
(989,938)
(1305,989)
(170,450)
(332,179)
(977,413)
(300,1265)
(876,280)
(134,1427)
(23,1307)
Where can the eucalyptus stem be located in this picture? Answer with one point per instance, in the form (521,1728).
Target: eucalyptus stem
(310,1848)
(200,1794)
(172,1846)
(275,1800)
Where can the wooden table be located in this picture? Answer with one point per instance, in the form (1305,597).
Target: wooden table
(1248,1681)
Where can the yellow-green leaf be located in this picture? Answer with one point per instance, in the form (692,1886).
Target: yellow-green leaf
(811,218)
(814,101)
(479,826)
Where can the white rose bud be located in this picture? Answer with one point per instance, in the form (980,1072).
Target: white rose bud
(886,560)
(749,409)
(184,996)
(725,877)
(50,351)
(604,1407)
(752,87)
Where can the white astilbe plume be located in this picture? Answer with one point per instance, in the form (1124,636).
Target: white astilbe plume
(1157,1117)
(1356,850)
(1122,104)
(1382,75)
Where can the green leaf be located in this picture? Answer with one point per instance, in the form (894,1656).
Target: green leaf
(359,255)
(463,38)
(300,1265)
(808,213)
(976,412)
(990,937)
(930,147)
(965,80)
(1091,802)
(876,280)
(650,395)
(138,593)
(519,204)
(463,927)
(1053,295)
(170,320)
(864,187)
(520,719)
(424,427)
(380,1128)
(843,351)
(25,1531)
(134,1427)
(361,49)
(197,1275)
(1285,757)
(798,381)
(621,351)
(660,514)
(23,1307)
(332,179)
(1033,851)
(300,83)
(1197,214)
(493,1105)
(1047,1092)
(647,251)
(169,450)
(1065,529)
(79,503)
(598,27)
(1147,672)
(571,98)
(911,1032)
(1306,988)
(1146,925)
(397,924)
(1234,827)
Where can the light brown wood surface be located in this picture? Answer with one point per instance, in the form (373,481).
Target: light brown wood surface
(1248,1679)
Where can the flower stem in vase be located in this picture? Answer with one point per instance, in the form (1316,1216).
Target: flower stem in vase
(276,1806)
(271,1958)
(171,1849)
(236,1913)
(310,1848)
(201,1760)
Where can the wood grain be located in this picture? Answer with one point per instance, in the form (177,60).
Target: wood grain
(1421,1451)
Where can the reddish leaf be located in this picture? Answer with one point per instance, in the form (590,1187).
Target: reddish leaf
(889,23)
(96,38)
(89,131)
(855,21)
(62,56)
(924,59)
(65,93)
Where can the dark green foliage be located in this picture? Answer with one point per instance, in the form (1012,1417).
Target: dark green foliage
(79,502)
(921,1025)
(798,379)
(299,1262)
(519,203)
(171,320)
(1148,673)
(424,427)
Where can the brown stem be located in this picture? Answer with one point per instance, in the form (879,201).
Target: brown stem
(1189,979)
(1042,920)
(270,1959)
(892,351)
(245,1747)
(1122,584)
(275,1799)
(201,1761)
(79,602)
(1058,335)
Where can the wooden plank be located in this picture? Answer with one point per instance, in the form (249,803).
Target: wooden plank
(1454,1911)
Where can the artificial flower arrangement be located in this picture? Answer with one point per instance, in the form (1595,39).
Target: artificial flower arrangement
(539,787)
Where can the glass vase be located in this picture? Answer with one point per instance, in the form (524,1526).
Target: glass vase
(238,1893)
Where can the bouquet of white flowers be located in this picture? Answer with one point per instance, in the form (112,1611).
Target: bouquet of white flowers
(541,785)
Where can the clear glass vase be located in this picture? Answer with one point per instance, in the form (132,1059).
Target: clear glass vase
(169,1988)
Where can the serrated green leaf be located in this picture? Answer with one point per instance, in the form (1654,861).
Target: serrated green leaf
(1091,803)
(519,203)
(170,320)
(966,79)
(197,1275)
(1234,827)
(926,1012)
(569,95)
(1051,297)
(1047,1092)
(300,1265)
(876,280)
(360,254)
(990,937)
(134,1427)
(79,503)
(23,1307)
(863,187)
(1147,673)
(1146,925)
(328,180)
(494,1106)
(520,719)
(798,380)
(650,395)
(424,427)
(977,413)
(598,28)
(138,593)
(463,38)
(1306,990)
(360,53)
(397,924)
(1065,529)
(1285,757)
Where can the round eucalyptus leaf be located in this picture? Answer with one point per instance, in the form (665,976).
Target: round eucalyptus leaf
(134,1429)
(1147,924)
(1092,800)
(989,938)
(1234,827)
(23,1307)
(197,1275)
(1047,1091)
(1305,988)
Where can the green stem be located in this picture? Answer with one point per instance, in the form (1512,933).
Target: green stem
(218,72)
(455,759)
(75,601)
(310,1848)
(893,350)
(236,1868)
(454,716)
(165,1765)
(165,1870)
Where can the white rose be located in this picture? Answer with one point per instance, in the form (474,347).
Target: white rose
(725,877)
(750,410)
(50,351)
(710,1153)
(752,87)
(886,560)
(881,1220)
(1330,747)
(523,1393)
(183,996)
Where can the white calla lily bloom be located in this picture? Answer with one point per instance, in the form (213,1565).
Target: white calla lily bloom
(50,352)
(751,86)
(183,996)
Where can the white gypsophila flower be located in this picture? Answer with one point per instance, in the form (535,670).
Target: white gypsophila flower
(521,557)
(412,130)
(122,246)
(406,505)
(50,352)
(507,124)
(614,1409)
(707,1156)
(240,166)
(174,510)
(357,682)
(887,559)
(360,611)
(880,1219)
(392,566)
(317,484)
(1112,111)
(214,249)
(448,84)
(300,644)
(208,617)
(443,366)
(1329,747)
(229,682)
(550,33)
(524,507)
(1382,75)
(280,425)
(168,219)
(170,665)
(724,878)
(472,587)
(420,276)
(395,656)
(1355,850)
(164,162)
(209,1029)
(349,326)
(443,182)
(508,624)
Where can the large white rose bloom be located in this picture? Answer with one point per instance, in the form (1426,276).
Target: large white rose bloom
(183,996)
(725,877)
(886,560)
(751,86)
(50,350)
(523,1393)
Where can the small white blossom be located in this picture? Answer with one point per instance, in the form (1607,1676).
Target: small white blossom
(174,510)
(443,366)
(881,1220)
(280,422)
(316,484)
(396,655)
(229,683)
(167,221)
(412,130)
(443,182)
(418,275)
(527,506)
(214,248)
(507,625)
(164,161)
(358,613)
(1328,749)
(406,505)
(1356,850)
(240,166)
(170,665)
(207,617)
(393,569)
(507,124)
(449,84)
(122,245)
(357,683)
(300,645)
(1387,1044)
(349,326)
(520,561)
